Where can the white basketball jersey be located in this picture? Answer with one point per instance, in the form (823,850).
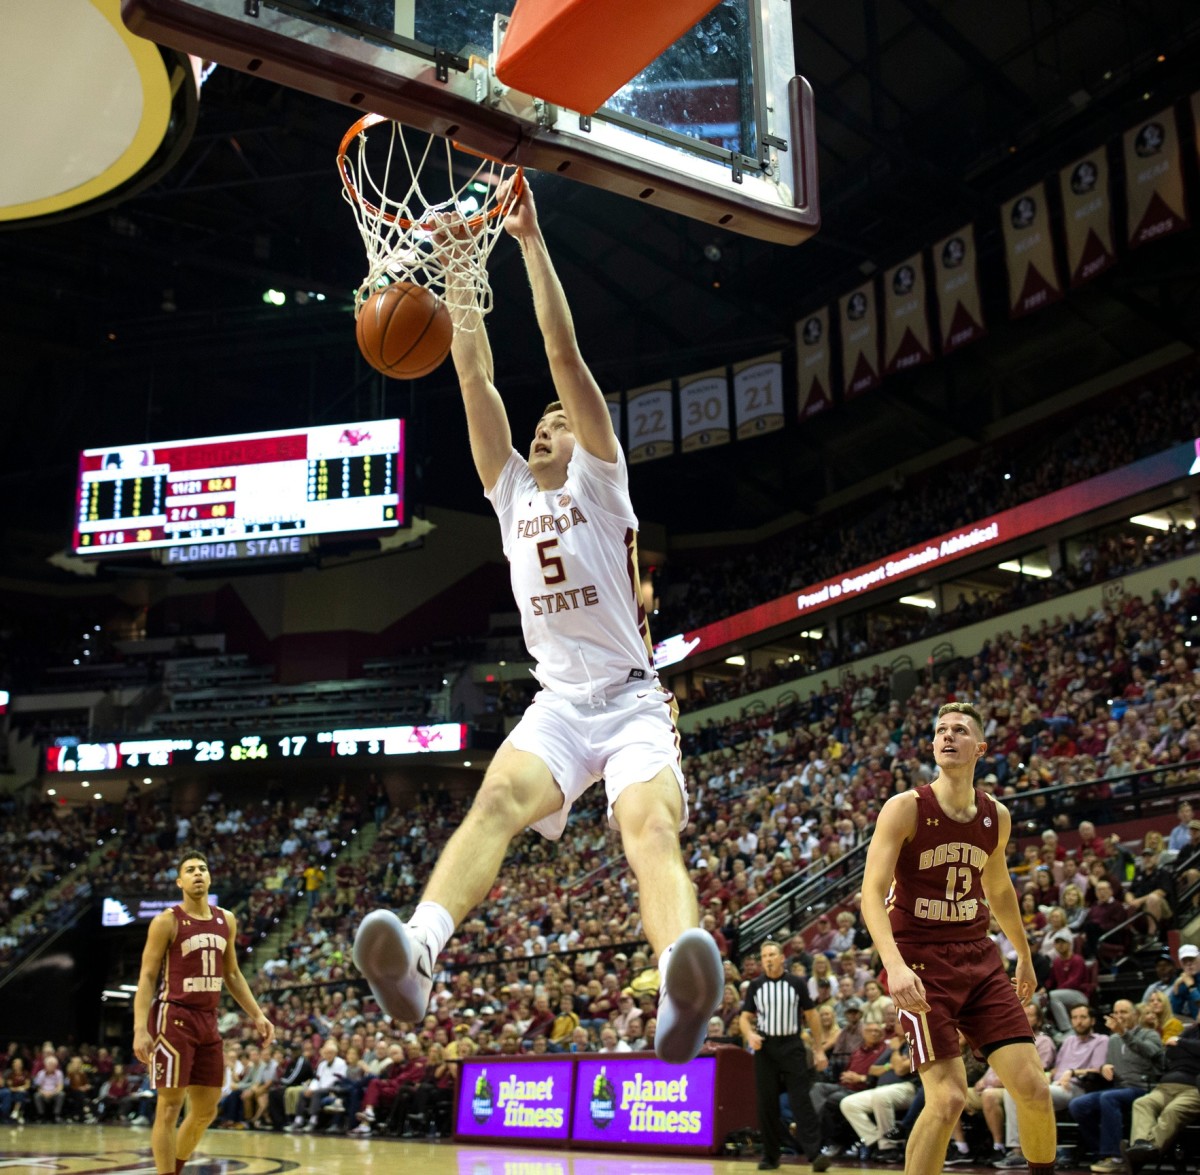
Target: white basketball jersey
(573,555)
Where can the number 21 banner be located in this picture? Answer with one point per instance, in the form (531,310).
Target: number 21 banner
(704,410)
(650,422)
(758,396)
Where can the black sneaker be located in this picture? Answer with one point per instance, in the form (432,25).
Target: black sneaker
(821,1163)
(957,1158)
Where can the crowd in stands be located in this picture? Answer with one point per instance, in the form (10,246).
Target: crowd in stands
(1125,425)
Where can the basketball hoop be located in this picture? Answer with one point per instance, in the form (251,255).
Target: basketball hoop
(440,243)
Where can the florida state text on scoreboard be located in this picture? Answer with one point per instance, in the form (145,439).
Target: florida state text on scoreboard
(322,480)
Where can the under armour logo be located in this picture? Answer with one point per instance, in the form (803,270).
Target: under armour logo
(178,1023)
(917,967)
(931,820)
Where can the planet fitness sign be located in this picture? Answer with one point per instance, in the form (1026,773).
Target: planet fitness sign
(525,1100)
(643,1102)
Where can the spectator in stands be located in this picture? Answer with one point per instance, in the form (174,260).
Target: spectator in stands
(871,1113)
(115,1096)
(257,1092)
(78,1090)
(1132,1064)
(290,1083)
(1067,981)
(49,1091)
(1173,1103)
(1181,835)
(1185,991)
(15,1092)
(1156,1013)
(822,940)
(1164,976)
(863,1069)
(1104,917)
(1152,890)
(320,1089)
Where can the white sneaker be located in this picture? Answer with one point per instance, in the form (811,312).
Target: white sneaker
(362,1130)
(398,964)
(367,1114)
(691,992)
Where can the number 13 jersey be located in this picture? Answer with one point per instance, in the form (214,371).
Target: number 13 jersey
(194,966)
(572,554)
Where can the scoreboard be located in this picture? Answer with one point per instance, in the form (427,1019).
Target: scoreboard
(327,479)
(68,755)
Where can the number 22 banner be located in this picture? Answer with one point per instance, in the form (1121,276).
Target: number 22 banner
(650,422)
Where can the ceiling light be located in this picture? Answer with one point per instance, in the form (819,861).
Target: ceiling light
(736,659)
(918,601)
(1037,571)
(274,297)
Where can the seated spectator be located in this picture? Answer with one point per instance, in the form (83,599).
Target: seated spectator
(865,1066)
(116,1096)
(1185,991)
(1152,890)
(1164,976)
(871,1113)
(1131,1066)
(49,1090)
(1156,1013)
(15,1092)
(1181,835)
(1067,980)
(1104,917)
(1159,1115)
(78,1089)
(320,1088)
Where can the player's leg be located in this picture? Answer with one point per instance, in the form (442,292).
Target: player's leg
(202,1109)
(162,1134)
(945,1085)
(518,790)
(1020,1069)
(693,978)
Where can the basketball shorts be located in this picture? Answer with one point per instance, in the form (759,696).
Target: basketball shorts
(628,740)
(966,988)
(187,1047)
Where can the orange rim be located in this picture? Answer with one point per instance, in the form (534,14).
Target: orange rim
(343,165)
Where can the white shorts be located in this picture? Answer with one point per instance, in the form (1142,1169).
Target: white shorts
(629,740)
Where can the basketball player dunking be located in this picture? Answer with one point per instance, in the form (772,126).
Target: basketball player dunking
(935,872)
(190,951)
(569,532)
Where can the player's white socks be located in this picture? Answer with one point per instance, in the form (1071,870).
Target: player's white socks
(435,923)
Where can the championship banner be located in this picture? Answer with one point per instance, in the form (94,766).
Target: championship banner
(651,426)
(1153,179)
(905,322)
(1032,276)
(815,391)
(613,400)
(956,274)
(758,396)
(860,341)
(704,410)
(1087,215)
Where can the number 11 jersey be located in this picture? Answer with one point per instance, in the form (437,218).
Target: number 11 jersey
(194,966)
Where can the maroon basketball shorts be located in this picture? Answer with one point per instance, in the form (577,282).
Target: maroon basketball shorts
(967,989)
(187,1047)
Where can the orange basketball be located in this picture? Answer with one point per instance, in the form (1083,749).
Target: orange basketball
(404,330)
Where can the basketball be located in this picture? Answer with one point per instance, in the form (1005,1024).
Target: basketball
(404,330)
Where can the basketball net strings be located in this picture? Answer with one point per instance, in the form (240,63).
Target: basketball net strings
(454,265)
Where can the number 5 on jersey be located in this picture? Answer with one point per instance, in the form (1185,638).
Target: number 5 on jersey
(552,565)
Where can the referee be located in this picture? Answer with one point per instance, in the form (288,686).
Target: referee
(771,1024)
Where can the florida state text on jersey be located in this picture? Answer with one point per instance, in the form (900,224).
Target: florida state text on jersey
(194,966)
(937,891)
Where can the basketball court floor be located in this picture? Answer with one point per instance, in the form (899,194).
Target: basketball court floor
(100,1150)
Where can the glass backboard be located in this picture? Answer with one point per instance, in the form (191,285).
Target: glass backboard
(717,128)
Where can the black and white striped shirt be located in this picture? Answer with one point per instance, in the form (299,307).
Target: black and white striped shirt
(778,1004)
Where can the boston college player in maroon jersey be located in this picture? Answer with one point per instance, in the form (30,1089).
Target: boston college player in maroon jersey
(935,872)
(190,952)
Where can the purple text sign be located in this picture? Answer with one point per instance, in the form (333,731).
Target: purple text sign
(640,1101)
(528,1100)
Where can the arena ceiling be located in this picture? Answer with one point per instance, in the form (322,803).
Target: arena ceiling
(146,320)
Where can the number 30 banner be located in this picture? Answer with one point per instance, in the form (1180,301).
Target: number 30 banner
(650,423)
(704,410)
(758,396)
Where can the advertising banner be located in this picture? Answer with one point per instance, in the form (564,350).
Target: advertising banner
(524,1099)
(643,1102)
(935,553)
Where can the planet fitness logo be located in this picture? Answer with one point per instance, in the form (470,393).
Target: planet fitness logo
(484,1101)
(603,1106)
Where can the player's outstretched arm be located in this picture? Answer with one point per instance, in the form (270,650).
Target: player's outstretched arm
(487,421)
(897,823)
(158,942)
(1002,899)
(237,986)
(586,409)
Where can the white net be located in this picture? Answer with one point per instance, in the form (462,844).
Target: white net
(440,240)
